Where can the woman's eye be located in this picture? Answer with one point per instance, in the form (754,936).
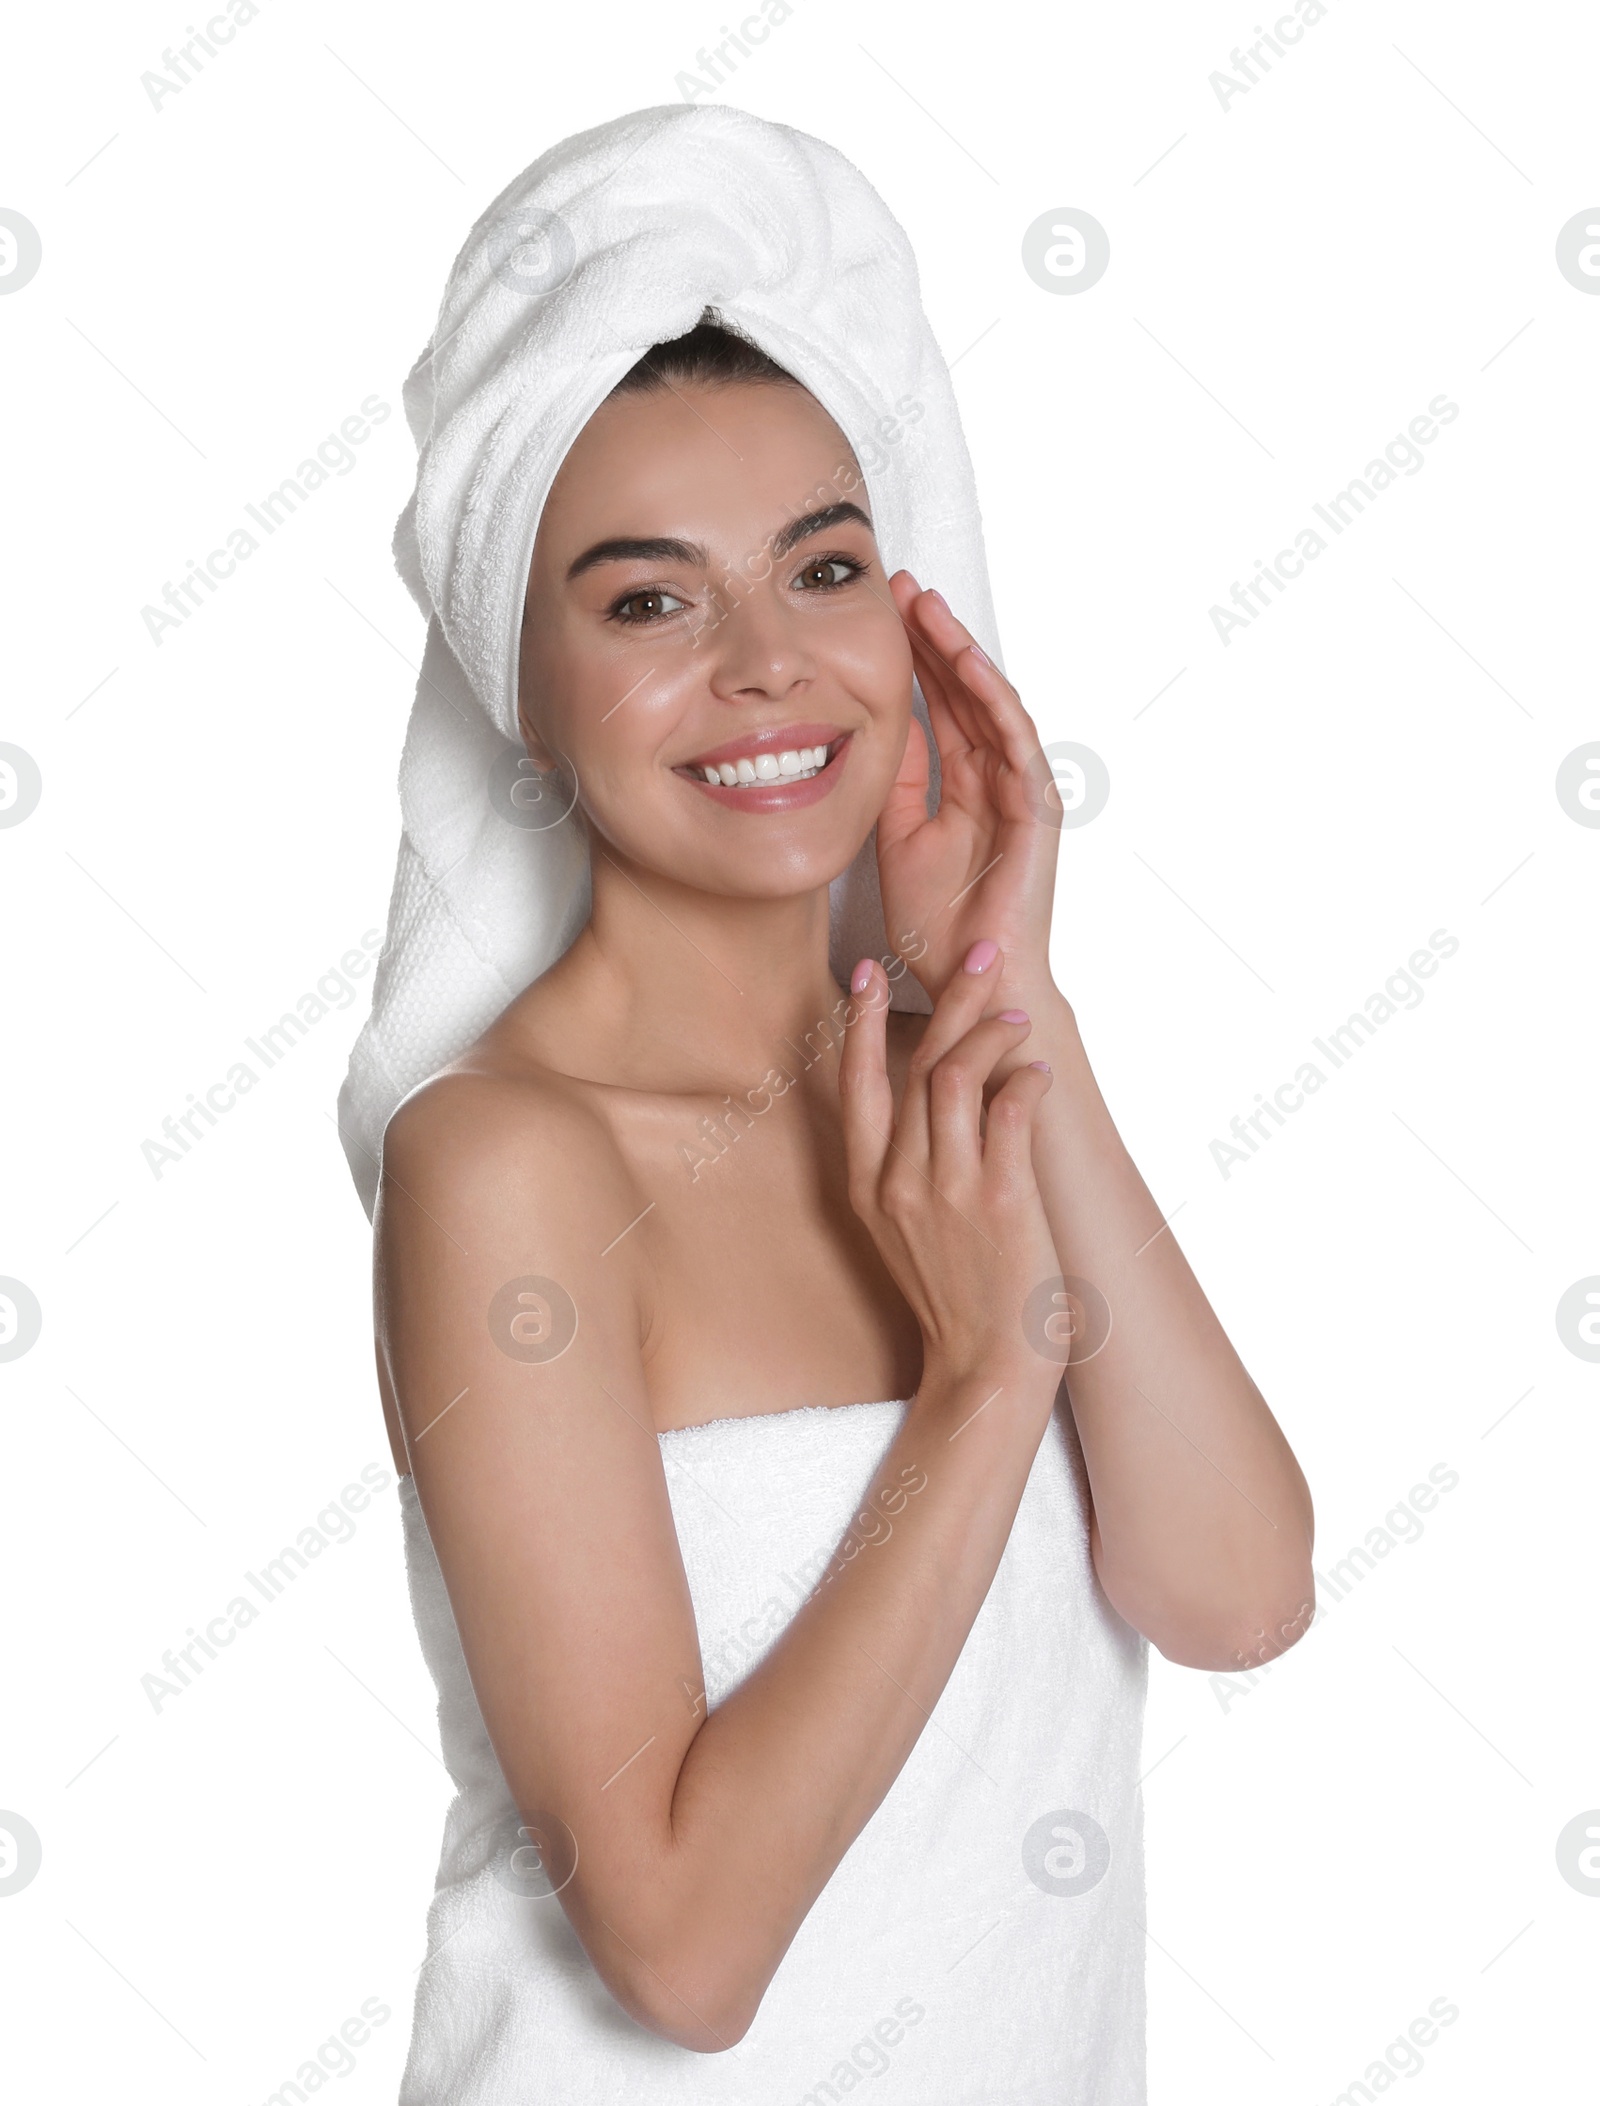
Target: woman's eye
(815,575)
(654,604)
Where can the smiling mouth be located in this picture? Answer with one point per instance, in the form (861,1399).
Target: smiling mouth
(769,761)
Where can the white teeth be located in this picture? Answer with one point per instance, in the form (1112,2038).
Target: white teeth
(793,765)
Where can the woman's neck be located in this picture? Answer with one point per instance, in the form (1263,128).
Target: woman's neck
(668,987)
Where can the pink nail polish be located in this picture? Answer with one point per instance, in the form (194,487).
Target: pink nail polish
(981,956)
(1013,1016)
(980,654)
(935,594)
(860,977)
(1043,1064)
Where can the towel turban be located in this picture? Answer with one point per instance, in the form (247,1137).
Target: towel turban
(614,240)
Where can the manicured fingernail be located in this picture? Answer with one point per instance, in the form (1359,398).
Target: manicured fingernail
(860,977)
(1013,1016)
(1043,1065)
(980,654)
(935,594)
(981,956)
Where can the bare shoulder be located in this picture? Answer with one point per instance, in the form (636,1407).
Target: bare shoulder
(491,1137)
(498,1184)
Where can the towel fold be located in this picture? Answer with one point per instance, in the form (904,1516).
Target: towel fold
(982,1940)
(617,239)
(981,1943)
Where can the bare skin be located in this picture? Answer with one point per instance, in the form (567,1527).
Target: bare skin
(872,1228)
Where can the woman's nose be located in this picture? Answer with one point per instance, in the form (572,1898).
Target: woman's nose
(757,645)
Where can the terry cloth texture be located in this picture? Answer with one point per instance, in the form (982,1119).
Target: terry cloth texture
(981,1943)
(617,239)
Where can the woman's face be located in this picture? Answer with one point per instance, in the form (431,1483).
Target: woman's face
(705,597)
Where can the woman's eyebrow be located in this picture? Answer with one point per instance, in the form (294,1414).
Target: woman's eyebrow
(817,522)
(622,550)
(668,549)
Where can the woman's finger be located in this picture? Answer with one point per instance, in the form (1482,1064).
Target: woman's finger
(990,701)
(1008,1129)
(905,804)
(955,1095)
(1014,729)
(942,686)
(961,1003)
(969,990)
(950,736)
(978,682)
(957,731)
(866,1098)
(956,721)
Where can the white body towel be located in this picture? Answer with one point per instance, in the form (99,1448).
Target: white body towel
(982,1939)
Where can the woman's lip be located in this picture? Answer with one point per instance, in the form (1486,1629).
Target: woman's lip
(784,738)
(786,794)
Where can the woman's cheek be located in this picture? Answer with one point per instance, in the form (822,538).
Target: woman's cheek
(893,743)
(881,682)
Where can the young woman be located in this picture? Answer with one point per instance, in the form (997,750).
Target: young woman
(649,1252)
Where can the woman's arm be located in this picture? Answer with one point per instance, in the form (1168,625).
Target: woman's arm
(1202,1519)
(701,1842)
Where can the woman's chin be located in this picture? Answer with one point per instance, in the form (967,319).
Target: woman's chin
(769,871)
(753,854)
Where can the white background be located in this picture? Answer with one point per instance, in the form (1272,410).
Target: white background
(1373,1824)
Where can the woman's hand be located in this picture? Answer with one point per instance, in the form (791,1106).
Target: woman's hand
(984,865)
(947,1189)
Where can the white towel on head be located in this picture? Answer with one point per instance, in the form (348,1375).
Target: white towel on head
(617,239)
